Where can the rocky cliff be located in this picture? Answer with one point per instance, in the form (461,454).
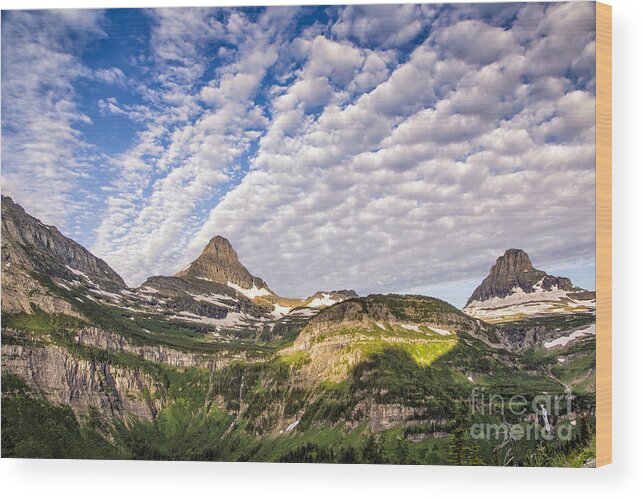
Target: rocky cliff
(63,379)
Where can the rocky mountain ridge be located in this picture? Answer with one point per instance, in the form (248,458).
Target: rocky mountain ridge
(43,268)
(34,246)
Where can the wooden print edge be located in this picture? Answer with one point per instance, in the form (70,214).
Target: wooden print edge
(603,234)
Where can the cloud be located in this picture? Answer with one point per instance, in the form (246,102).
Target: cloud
(424,179)
(476,42)
(112,76)
(206,126)
(45,159)
(383,26)
(384,148)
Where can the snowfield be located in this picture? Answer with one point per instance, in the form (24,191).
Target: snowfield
(232,319)
(252,292)
(325,301)
(520,303)
(279,311)
(213,298)
(564,340)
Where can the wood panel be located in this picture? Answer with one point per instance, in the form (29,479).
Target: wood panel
(603,234)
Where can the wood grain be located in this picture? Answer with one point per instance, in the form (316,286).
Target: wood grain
(603,234)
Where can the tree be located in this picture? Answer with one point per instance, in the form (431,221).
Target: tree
(372,451)
(457,448)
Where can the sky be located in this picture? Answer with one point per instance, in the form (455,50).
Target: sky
(386,148)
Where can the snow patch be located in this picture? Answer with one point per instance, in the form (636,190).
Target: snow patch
(279,311)
(252,292)
(564,340)
(212,298)
(232,319)
(292,426)
(106,294)
(442,332)
(520,303)
(61,285)
(326,300)
(305,312)
(81,274)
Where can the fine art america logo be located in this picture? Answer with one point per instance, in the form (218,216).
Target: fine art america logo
(541,414)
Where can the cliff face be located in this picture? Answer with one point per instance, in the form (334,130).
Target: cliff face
(20,291)
(66,378)
(63,379)
(160,354)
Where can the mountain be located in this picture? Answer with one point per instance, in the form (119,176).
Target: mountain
(343,335)
(188,367)
(31,249)
(28,242)
(45,269)
(515,289)
(217,280)
(220,263)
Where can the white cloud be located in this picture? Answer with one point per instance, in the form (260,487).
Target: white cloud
(369,166)
(427,177)
(383,25)
(207,128)
(45,160)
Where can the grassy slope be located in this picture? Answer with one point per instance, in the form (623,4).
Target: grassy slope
(232,414)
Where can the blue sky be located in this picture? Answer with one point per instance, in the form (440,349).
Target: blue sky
(391,148)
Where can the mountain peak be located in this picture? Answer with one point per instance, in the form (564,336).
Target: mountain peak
(219,247)
(514,270)
(516,259)
(220,263)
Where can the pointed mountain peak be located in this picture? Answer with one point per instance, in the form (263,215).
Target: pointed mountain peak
(219,247)
(514,271)
(218,242)
(515,258)
(220,263)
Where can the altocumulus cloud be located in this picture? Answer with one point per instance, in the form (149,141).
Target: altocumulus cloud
(384,148)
